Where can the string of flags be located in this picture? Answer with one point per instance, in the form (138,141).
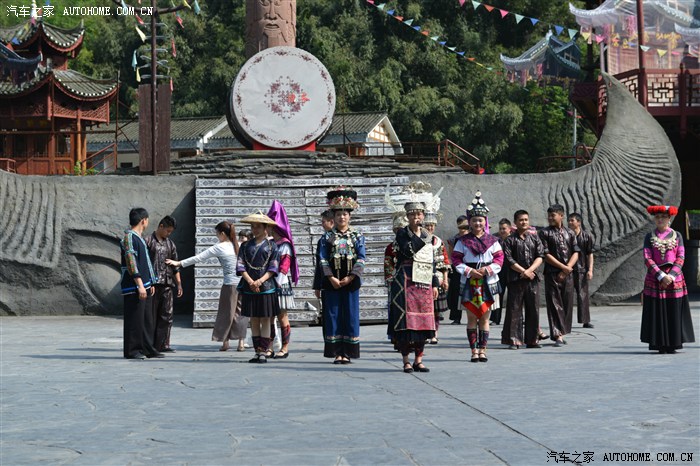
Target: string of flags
(435,38)
(444,43)
(196,9)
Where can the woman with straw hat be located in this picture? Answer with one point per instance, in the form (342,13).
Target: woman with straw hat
(258,264)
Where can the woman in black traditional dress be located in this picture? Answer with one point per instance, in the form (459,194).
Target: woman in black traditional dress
(258,264)
(666,322)
(414,289)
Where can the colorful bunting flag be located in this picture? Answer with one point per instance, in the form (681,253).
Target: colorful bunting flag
(435,38)
(442,42)
(179,20)
(186,5)
(134,62)
(586,35)
(462,2)
(489,8)
(400,18)
(475,4)
(599,38)
(417,28)
(504,13)
(558,29)
(390,12)
(138,76)
(381,6)
(661,52)
(572,33)
(534,21)
(172,44)
(408,22)
(195,6)
(518,18)
(138,18)
(452,48)
(141,34)
(461,54)
(171,85)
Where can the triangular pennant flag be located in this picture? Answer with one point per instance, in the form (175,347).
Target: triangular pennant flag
(435,38)
(399,18)
(381,6)
(186,5)
(195,7)
(586,35)
(442,42)
(134,62)
(534,21)
(461,2)
(461,54)
(47,2)
(661,52)
(417,28)
(172,44)
(178,18)
(138,18)
(452,48)
(599,38)
(558,29)
(471,58)
(518,18)
(425,32)
(504,13)
(408,22)
(489,8)
(645,48)
(475,4)
(141,34)
(171,85)
(489,68)
(674,53)
(370,1)
(124,7)
(572,33)
(138,76)
(390,12)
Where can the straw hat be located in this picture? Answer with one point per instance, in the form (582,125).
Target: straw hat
(258,217)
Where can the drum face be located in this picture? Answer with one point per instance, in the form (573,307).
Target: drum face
(283,97)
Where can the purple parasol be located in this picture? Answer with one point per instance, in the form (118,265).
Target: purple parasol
(279,215)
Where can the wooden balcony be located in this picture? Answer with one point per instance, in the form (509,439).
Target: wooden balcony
(666,94)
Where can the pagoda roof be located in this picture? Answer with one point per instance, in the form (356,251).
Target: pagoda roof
(71,82)
(63,40)
(613,12)
(538,52)
(12,64)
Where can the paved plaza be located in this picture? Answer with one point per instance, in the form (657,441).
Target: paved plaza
(68,397)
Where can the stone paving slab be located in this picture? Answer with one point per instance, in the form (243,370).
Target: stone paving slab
(67,397)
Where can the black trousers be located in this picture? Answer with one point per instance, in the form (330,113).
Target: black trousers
(583,302)
(560,304)
(522,293)
(138,325)
(162,316)
(453,297)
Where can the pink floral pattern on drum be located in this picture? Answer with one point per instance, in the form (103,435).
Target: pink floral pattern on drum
(285,97)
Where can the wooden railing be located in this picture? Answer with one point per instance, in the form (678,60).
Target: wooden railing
(100,162)
(582,155)
(8,165)
(444,153)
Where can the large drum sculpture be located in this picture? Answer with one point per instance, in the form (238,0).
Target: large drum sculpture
(283,98)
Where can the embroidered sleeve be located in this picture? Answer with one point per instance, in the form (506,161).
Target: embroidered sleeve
(324,252)
(361,253)
(318,271)
(677,267)
(497,261)
(130,255)
(458,259)
(652,268)
(273,266)
(389,265)
(240,262)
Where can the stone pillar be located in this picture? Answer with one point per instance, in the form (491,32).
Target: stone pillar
(270,23)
